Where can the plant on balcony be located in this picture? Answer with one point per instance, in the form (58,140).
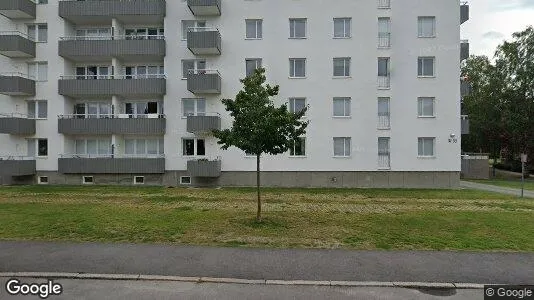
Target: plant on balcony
(259,127)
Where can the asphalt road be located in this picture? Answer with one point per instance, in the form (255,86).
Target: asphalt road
(129,290)
(294,264)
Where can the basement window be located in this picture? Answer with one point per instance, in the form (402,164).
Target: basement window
(139,179)
(185,180)
(42,180)
(88,180)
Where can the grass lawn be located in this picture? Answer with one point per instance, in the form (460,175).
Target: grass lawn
(304,218)
(511,183)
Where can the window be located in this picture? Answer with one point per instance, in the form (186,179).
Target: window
(342,67)
(192,65)
(193,107)
(42,147)
(297,67)
(149,71)
(143,109)
(425,107)
(192,147)
(144,147)
(185,180)
(38,32)
(383,153)
(251,64)
(144,33)
(383,113)
(189,24)
(94,34)
(92,110)
(342,146)
(383,66)
(92,147)
(296,105)
(384,32)
(38,109)
(426,26)
(342,27)
(42,180)
(298,147)
(342,107)
(38,70)
(426,146)
(297,28)
(93,72)
(254,29)
(87,180)
(425,66)
(139,180)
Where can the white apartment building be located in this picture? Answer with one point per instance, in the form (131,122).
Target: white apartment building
(127,92)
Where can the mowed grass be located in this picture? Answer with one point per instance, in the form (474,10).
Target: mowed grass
(509,183)
(295,218)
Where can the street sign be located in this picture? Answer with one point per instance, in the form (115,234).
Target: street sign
(523,158)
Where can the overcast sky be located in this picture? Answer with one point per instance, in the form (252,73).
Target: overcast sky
(492,21)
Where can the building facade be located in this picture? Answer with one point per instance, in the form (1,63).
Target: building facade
(127,92)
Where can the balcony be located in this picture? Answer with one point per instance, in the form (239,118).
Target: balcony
(16,124)
(204,82)
(120,85)
(464,12)
(17,84)
(119,124)
(465,88)
(465,124)
(97,49)
(203,123)
(204,168)
(103,11)
(205,7)
(204,41)
(16,45)
(18,9)
(84,164)
(384,40)
(383,82)
(464,50)
(17,166)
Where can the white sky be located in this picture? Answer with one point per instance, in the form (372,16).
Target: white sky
(492,21)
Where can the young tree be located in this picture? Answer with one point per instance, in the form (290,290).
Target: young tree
(259,127)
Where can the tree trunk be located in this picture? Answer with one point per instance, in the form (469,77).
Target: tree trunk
(258,215)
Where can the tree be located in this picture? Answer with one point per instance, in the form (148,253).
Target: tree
(259,127)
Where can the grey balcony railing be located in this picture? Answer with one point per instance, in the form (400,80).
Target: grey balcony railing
(464,49)
(205,7)
(204,82)
(464,12)
(383,82)
(108,164)
(384,40)
(383,121)
(108,85)
(79,48)
(112,124)
(203,123)
(16,45)
(204,168)
(465,124)
(17,166)
(138,11)
(17,84)
(384,3)
(384,160)
(204,41)
(465,88)
(17,124)
(18,9)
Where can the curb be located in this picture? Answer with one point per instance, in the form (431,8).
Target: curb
(411,285)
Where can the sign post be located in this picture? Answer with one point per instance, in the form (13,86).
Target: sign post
(523,161)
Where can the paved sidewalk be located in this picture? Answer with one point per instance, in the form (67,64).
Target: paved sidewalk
(289,264)
(496,189)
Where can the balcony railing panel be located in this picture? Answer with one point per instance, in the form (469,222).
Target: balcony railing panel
(383,121)
(17,166)
(18,9)
(465,124)
(204,41)
(205,7)
(81,49)
(384,4)
(383,82)
(203,124)
(464,12)
(384,40)
(16,44)
(77,124)
(16,84)
(465,88)
(108,86)
(384,160)
(204,168)
(14,124)
(111,165)
(464,49)
(204,82)
(139,11)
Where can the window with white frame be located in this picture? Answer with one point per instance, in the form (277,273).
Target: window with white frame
(93,72)
(37,147)
(148,33)
(296,105)
(141,109)
(251,64)
(93,147)
(425,66)
(139,180)
(254,28)
(93,33)
(342,67)
(342,146)
(38,70)
(342,27)
(38,32)
(342,107)
(193,107)
(297,28)
(298,147)
(193,147)
(297,67)
(37,109)
(192,65)
(88,180)
(191,24)
(144,71)
(143,147)
(425,107)
(186,180)
(426,146)
(92,110)
(426,26)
